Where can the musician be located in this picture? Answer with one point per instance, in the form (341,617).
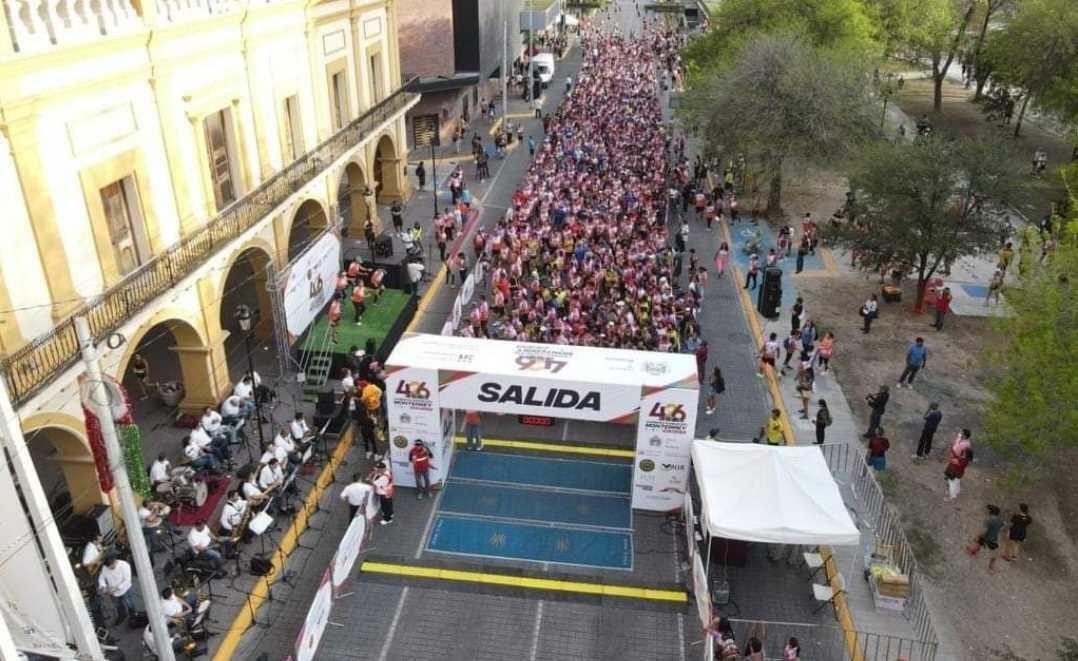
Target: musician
(271,475)
(201,540)
(300,431)
(176,610)
(245,390)
(115,581)
(254,496)
(214,425)
(216,445)
(233,516)
(160,470)
(154,518)
(284,443)
(231,410)
(199,459)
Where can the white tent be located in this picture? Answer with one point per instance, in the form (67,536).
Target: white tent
(778,495)
(570,20)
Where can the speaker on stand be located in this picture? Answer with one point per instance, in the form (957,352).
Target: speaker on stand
(769,300)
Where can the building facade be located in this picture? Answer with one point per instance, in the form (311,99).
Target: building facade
(158,160)
(455,49)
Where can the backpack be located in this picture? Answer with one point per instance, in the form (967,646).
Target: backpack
(826,418)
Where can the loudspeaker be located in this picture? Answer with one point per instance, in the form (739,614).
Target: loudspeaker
(383,246)
(260,566)
(769,302)
(102,516)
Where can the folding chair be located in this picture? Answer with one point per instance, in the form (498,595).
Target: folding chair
(828,593)
(814,561)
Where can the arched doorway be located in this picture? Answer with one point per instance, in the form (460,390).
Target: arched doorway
(309,221)
(388,177)
(352,205)
(66,470)
(246,284)
(174,353)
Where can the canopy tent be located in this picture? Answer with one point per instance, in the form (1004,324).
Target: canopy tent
(569,20)
(778,495)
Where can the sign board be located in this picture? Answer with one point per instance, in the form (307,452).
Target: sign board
(428,373)
(701,589)
(310,283)
(349,548)
(315,623)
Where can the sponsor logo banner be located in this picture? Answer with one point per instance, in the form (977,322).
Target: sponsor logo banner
(664,434)
(414,414)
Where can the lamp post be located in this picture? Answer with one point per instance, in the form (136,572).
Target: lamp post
(245,319)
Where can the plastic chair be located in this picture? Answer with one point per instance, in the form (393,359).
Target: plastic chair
(827,593)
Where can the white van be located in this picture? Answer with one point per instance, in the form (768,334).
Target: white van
(544,64)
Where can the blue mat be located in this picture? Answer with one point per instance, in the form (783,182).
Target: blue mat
(518,541)
(535,505)
(976,291)
(533,471)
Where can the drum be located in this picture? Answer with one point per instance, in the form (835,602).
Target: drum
(201,492)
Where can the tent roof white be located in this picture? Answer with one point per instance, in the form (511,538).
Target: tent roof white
(558,362)
(778,495)
(570,20)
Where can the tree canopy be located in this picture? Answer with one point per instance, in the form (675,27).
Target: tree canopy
(923,203)
(835,25)
(782,99)
(1034,382)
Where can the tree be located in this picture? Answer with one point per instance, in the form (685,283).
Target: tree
(981,66)
(1033,381)
(784,100)
(936,31)
(922,204)
(835,25)
(1036,53)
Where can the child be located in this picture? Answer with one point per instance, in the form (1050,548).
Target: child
(792,652)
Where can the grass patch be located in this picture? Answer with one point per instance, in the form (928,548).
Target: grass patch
(925,547)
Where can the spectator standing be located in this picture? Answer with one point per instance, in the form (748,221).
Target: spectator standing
(825,351)
(419,457)
(115,581)
(870,310)
(943,307)
(718,386)
(701,361)
(877,403)
(773,431)
(823,421)
(916,360)
(932,418)
(473,431)
(421,174)
(383,486)
(960,457)
(356,494)
(878,446)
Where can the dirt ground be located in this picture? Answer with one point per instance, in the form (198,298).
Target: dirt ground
(1027,606)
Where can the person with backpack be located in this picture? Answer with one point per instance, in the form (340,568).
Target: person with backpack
(823,421)
(960,457)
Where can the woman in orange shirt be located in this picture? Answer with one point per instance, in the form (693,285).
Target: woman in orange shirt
(334,319)
(357,300)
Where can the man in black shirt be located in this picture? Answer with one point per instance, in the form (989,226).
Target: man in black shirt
(932,419)
(878,404)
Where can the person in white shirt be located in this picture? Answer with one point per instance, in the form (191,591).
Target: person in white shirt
(91,554)
(299,428)
(285,445)
(232,515)
(232,409)
(382,480)
(219,446)
(245,390)
(200,539)
(271,476)
(115,581)
(199,458)
(175,609)
(160,470)
(214,425)
(356,494)
(348,382)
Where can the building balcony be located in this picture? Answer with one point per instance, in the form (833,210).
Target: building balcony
(37,364)
(39,25)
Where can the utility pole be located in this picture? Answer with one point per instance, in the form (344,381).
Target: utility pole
(531,83)
(72,606)
(505,78)
(97,397)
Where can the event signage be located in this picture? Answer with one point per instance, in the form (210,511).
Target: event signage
(664,435)
(310,283)
(317,617)
(349,548)
(526,395)
(414,414)
(703,594)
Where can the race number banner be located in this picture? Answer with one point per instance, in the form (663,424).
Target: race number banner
(664,432)
(317,618)
(310,283)
(414,413)
(524,395)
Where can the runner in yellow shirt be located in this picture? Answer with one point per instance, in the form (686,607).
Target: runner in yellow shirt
(774,430)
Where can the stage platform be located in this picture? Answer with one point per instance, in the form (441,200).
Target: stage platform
(384,322)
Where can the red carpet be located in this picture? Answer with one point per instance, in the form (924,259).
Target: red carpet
(188,516)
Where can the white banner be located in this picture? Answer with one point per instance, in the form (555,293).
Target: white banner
(448,327)
(349,548)
(317,618)
(467,290)
(523,395)
(690,529)
(412,401)
(664,434)
(458,313)
(310,283)
(702,591)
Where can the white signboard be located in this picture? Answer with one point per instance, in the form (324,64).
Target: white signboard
(349,548)
(664,434)
(310,283)
(525,395)
(703,594)
(414,413)
(315,623)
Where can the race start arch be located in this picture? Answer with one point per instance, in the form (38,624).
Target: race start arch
(430,376)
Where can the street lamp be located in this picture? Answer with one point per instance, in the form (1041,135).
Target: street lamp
(245,318)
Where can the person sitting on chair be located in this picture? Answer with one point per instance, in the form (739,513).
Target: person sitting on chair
(198,458)
(201,540)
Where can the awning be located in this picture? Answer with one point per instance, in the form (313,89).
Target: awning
(772,494)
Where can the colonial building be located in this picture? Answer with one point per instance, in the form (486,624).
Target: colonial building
(159,161)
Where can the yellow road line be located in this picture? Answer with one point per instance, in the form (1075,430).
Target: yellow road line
(259,593)
(550,585)
(567,448)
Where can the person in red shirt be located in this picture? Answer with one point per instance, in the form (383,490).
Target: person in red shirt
(878,446)
(334,319)
(943,306)
(472,430)
(357,300)
(419,457)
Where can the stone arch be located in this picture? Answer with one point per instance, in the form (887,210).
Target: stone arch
(352,202)
(310,219)
(63,462)
(181,353)
(244,283)
(387,172)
